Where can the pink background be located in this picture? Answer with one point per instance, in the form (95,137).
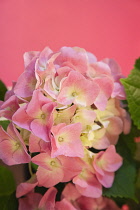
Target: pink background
(107,28)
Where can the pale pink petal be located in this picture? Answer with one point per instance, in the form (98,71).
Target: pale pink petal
(29,57)
(21,118)
(30,202)
(110,160)
(42,131)
(48,200)
(107,179)
(64,204)
(101,101)
(70,192)
(25,84)
(43,58)
(115,126)
(44,160)
(67,140)
(84,116)
(26,187)
(91,58)
(3,134)
(12,153)
(98,69)
(36,144)
(91,203)
(12,148)
(72,166)
(64,116)
(101,143)
(49,178)
(115,68)
(75,58)
(36,103)
(78,90)
(10,92)
(88,186)
(9,107)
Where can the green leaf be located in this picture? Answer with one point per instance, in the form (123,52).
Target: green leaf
(4,124)
(132,89)
(127,142)
(34,166)
(124,184)
(9,202)
(3,90)
(125,177)
(7,182)
(137,64)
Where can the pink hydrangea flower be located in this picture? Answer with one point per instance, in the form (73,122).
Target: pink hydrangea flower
(66,140)
(36,116)
(12,148)
(63,104)
(9,107)
(105,164)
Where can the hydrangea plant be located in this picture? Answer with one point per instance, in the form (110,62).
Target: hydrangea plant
(67,117)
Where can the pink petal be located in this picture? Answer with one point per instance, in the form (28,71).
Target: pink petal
(26,84)
(115,68)
(91,58)
(85,117)
(88,186)
(42,131)
(70,192)
(9,107)
(36,144)
(75,58)
(101,143)
(21,118)
(43,58)
(29,57)
(30,202)
(91,203)
(48,200)
(111,161)
(10,92)
(77,89)
(44,160)
(115,126)
(66,140)
(107,179)
(49,178)
(99,69)
(64,204)
(36,103)
(71,167)
(65,115)
(26,187)
(12,148)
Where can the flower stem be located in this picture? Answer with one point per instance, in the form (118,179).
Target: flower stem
(30,168)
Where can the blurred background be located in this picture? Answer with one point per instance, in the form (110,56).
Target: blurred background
(105,28)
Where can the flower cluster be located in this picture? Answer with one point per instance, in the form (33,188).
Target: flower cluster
(71,200)
(66,117)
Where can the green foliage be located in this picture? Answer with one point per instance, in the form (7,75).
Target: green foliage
(4,124)
(34,167)
(125,177)
(132,89)
(124,184)
(7,183)
(137,64)
(3,90)
(8,199)
(9,202)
